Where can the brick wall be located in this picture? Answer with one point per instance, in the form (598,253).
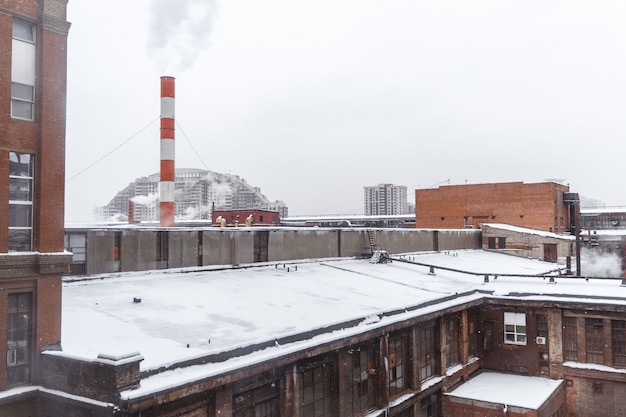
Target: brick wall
(22,407)
(535,206)
(593,396)
(101,379)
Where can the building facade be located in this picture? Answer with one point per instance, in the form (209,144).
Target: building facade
(385,199)
(398,362)
(528,243)
(544,206)
(33,47)
(603,219)
(197,193)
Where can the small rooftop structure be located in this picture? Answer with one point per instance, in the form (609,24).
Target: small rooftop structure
(506,390)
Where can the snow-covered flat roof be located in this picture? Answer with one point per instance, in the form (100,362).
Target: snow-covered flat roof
(184,314)
(529,392)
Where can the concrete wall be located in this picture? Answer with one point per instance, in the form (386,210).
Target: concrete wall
(138,250)
(234,246)
(303,243)
(100,252)
(456,239)
(227,246)
(183,248)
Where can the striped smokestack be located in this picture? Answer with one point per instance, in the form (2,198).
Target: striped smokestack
(167,152)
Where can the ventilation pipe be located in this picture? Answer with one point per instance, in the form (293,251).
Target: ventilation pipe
(166,185)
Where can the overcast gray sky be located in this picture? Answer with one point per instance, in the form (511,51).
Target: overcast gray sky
(313,100)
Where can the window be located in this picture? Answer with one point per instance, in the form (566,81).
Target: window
(23,70)
(428,353)
(515,328)
(496,242)
(317,391)
(258,402)
(452,341)
(619,342)
(363,372)
(398,350)
(475,343)
(542,325)
(429,406)
(19,329)
(20,201)
(595,343)
(570,339)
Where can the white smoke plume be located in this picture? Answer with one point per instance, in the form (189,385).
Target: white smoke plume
(145,200)
(179,31)
(595,263)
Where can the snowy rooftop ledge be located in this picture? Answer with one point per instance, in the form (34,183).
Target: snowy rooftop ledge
(223,319)
(505,389)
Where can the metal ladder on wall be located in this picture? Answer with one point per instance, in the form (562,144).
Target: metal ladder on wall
(370,237)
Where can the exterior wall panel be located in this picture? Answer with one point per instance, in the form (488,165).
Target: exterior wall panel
(183,249)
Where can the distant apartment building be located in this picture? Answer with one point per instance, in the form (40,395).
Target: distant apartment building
(385,199)
(197,193)
(547,206)
(33,62)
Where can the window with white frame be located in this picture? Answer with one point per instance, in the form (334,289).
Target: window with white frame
(20,201)
(23,64)
(515,328)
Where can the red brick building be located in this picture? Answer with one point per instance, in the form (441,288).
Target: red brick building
(33,40)
(540,206)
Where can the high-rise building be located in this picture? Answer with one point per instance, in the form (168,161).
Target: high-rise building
(33,68)
(385,199)
(197,193)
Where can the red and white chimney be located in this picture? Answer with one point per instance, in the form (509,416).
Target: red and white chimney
(167,152)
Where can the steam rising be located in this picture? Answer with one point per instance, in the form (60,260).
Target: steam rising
(145,200)
(179,31)
(595,263)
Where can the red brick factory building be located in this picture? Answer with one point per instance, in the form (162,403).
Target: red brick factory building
(547,206)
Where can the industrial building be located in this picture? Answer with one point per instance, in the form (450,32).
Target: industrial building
(603,219)
(385,199)
(545,206)
(197,193)
(233,322)
(448,333)
(33,46)
(528,243)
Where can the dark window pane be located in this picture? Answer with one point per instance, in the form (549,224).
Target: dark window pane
(18,338)
(23,92)
(20,215)
(23,30)
(570,339)
(20,240)
(22,109)
(21,164)
(20,189)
